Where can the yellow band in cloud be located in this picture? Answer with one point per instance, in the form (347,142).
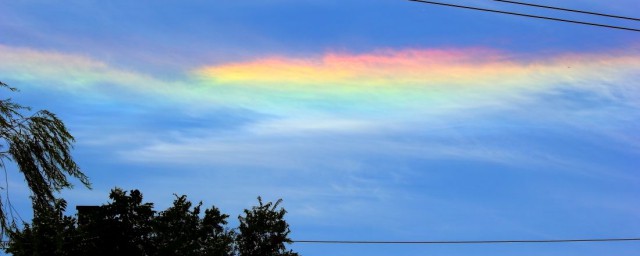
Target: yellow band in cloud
(413,79)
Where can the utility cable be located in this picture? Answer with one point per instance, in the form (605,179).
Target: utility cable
(527,15)
(470,241)
(568,10)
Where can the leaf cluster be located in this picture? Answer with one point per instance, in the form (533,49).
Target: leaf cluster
(40,145)
(263,230)
(128,226)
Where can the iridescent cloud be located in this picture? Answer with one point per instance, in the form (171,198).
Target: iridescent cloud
(385,81)
(417,78)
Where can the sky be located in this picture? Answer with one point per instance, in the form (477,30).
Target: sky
(373,120)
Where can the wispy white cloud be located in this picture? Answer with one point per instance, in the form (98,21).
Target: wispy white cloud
(335,147)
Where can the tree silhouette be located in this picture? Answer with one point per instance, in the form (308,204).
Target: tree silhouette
(39,145)
(263,231)
(179,230)
(51,233)
(127,226)
(121,227)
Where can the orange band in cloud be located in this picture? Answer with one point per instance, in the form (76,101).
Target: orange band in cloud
(410,79)
(414,78)
(383,67)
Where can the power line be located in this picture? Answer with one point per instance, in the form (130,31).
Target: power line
(470,241)
(568,10)
(526,15)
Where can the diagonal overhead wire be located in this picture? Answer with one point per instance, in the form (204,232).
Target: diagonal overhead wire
(568,10)
(527,15)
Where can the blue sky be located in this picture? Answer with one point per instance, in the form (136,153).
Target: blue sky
(373,120)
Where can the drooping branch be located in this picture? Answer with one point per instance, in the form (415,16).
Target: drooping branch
(40,146)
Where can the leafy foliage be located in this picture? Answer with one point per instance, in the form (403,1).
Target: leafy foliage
(263,231)
(180,231)
(52,233)
(39,144)
(128,226)
(122,227)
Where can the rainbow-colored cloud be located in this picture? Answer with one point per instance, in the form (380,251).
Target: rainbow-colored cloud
(417,79)
(381,82)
